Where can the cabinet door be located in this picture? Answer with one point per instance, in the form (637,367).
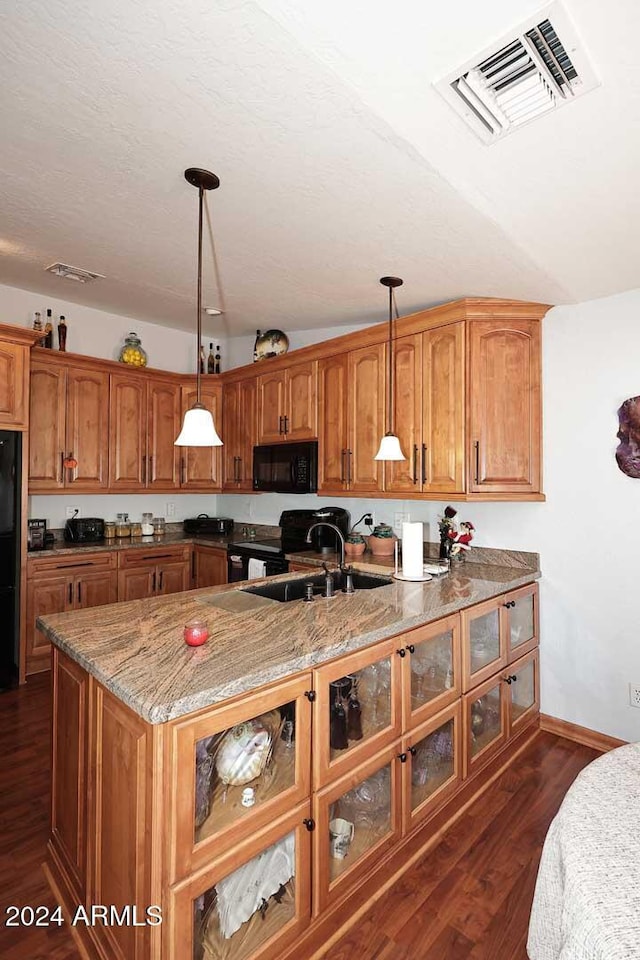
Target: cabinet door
(443,409)
(302,402)
(201,467)
(272,407)
(87,428)
(366,412)
(484,645)
(230,449)
(163,426)
(430,670)
(485,722)
(210,566)
(69,783)
(138,583)
(357,709)
(261,745)
(404,476)
(95,589)
(174,576)
(522,621)
(51,594)
(46,426)
(250,906)
(523,701)
(433,769)
(358,819)
(333,377)
(127,432)
(246,431)
(14,373)
(505,407)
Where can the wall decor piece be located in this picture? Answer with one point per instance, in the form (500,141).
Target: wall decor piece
(271,343)
(628,452)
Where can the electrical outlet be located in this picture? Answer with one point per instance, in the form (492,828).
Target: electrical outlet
(398,519)
(72,512)
(170,509)
(368,520)
(634,694)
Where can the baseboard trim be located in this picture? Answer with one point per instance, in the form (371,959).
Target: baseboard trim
(573,731)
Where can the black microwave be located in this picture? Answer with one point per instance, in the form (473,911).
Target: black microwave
(286,467)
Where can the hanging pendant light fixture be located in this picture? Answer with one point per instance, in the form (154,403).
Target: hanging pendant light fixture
(198,428)
(390,445)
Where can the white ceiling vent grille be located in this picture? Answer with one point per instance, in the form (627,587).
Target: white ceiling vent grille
(535,69)
(73,273)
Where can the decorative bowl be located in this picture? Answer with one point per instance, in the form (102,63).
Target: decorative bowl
(271,343)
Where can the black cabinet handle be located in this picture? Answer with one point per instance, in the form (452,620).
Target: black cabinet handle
(286,424)
(514,679)
(410,648)
(402,757)
(424,463)
(150,469)
(310,695)
(309,823)
(61,474)
(183,469)
(415,463)
(239,469)
(401,652)
(343,478)
(144,469)
(413,751)
(193,566)
(509,603)
(79,591)
(70,592)
(160,581)
(153,582)
(280,430)
(510,679)
(476,445)
(349,466)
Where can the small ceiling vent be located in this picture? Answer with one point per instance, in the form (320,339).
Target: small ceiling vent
(535,69)
(73,273)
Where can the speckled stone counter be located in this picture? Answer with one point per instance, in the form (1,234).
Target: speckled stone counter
(136,649)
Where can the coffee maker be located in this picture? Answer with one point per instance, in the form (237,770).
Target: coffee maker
(295,524)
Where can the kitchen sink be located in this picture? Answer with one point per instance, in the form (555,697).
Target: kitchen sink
(295,589)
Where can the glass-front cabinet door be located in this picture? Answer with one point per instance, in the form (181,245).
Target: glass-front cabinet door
(357,708)
(253,903)
(484,648)
(430,670)
(522,621)
(524,690)
(357,819)
(234,769)
(433,768)
(484,721)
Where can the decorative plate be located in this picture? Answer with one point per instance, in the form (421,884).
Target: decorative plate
(271,343)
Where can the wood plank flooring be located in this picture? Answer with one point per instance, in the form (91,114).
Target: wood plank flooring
(469,899)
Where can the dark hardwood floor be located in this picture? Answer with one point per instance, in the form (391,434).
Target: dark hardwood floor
(468,899)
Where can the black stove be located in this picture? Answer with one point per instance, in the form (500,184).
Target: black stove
(258,548)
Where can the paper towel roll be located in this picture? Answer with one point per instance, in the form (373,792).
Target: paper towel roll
(412,550)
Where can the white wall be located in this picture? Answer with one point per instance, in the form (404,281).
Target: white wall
(53,508)
(585,532)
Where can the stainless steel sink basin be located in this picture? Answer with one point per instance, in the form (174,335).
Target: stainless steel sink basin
(295,589)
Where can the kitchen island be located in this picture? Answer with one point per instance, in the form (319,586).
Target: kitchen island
(308,751)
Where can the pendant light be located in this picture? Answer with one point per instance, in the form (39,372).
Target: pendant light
(390,445)
(198,428)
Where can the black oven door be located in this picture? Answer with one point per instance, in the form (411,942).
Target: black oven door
(286,467)
(238,566)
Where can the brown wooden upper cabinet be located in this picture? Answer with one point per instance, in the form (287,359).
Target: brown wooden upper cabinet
(239,418)
(504,437)
(287,404)
(351,420)
(69,417)
(14,384)
(144,422)
(201,467)
(428,389)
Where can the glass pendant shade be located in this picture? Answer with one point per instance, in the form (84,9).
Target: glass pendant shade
(198,429)
(390,448)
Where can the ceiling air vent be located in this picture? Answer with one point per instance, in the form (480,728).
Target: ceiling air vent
(531,71)
(73,273)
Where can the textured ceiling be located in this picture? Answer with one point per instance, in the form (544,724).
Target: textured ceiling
(338,161)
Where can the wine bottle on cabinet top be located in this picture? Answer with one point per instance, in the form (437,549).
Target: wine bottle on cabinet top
(62,333)
(211,362)
(216,362)
(48,332)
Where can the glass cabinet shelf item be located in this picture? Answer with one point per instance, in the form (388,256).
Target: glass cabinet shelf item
(484,721)
(434,762)
(431,670)
(522,620)
(484,647)
(484,641)
(357,708)
(358,820)
(524,693)
(235,768)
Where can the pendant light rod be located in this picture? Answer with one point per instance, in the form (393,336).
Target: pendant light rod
(391,283)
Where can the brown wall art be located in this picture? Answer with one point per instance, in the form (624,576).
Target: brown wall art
(628,452)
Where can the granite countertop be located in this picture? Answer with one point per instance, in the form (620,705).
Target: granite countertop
(136,649)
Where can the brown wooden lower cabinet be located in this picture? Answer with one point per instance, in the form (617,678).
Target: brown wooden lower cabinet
(262,860)
(154,572)
(209,566)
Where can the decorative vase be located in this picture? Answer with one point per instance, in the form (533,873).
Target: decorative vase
(354,545)
(382,541)
(132,352)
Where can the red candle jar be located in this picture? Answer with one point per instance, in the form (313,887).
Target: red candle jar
(196,633)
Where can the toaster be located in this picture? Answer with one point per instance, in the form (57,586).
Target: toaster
(84,530)
(204,524)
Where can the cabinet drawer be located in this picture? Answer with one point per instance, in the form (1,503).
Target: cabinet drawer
(146,555)
(68,563)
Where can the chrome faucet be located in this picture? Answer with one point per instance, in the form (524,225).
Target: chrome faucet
(323,523)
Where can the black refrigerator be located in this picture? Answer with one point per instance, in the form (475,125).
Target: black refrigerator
(10,485)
